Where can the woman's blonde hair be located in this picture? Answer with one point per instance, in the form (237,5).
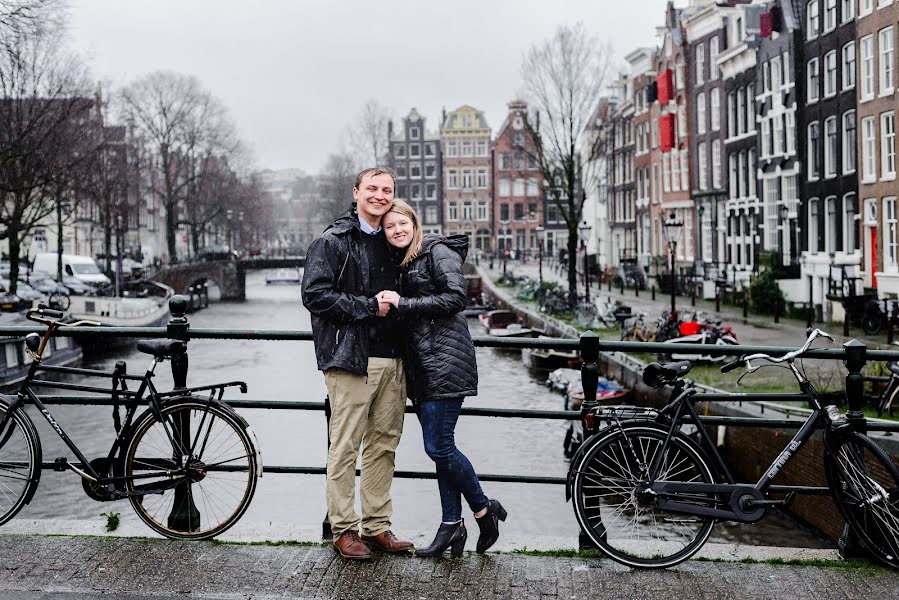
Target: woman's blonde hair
(402,208)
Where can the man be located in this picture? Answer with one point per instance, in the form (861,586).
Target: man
(357,348)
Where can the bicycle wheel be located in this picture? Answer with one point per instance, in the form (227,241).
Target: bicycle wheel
(872,323)
(215,469)
(20,462)
(615,513)
(887,401)
(865,486)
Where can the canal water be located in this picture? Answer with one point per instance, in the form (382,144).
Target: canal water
(295,503)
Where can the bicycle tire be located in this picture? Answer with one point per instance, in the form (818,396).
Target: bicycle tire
(219,476)
(20,462)
(886,404)
(611,470)
(865,486)
(872,324)
(59,301)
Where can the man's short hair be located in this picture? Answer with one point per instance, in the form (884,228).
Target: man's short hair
(373,172)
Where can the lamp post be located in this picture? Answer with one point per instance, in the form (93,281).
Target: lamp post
(673,227)
(700,212)
(539,229)
(228,214)
(584,230)
(504,227)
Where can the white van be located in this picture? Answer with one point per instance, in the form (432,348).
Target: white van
(83,268)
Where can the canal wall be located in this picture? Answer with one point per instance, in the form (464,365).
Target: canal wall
(748,451)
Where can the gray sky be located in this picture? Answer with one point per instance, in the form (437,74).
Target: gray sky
(294,73)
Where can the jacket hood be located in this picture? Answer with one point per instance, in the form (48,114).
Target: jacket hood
(345,222)
(458,243)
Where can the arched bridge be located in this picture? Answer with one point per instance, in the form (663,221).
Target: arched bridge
(229,275)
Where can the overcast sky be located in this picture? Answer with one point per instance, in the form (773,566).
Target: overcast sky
(294,73)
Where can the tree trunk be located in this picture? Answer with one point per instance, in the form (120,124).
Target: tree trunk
(59,241)
(195,237)
(572,262)
(171,231)
(107,247)
(14,248)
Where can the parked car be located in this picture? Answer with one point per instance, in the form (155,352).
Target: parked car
(210,253)
(45,283)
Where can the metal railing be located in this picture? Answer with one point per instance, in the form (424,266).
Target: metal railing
(854,353)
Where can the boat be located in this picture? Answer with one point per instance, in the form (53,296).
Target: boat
(476,300)
(547,359)
(505,323)
(569,382)
(60,351)
(141,304)
(284,277)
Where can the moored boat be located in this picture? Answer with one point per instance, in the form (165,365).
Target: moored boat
(505,323)
(285,277)
(61,351)
(547,359)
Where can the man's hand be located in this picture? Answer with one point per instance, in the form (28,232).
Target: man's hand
(390,297)
(383,307)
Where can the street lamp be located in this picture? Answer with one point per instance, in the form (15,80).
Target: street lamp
(673,227)
(539,229)
(504,227)
(700,254)
(584,230)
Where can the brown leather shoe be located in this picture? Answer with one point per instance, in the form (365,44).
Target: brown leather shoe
(387,542)
(348,545)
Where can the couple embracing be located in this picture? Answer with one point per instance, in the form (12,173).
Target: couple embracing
(386,305)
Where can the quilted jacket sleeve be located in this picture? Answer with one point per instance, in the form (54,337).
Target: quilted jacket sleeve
(321,292)
(449,285)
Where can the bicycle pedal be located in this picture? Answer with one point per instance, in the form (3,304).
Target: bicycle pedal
(61,464)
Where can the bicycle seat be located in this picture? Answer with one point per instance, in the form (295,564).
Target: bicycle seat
(162,348)
(893,367)
(656,375)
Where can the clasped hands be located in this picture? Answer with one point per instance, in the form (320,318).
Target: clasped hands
(386,299)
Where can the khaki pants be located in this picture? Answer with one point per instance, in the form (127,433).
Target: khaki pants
(366,412)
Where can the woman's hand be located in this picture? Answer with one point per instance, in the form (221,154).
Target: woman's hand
(390,297)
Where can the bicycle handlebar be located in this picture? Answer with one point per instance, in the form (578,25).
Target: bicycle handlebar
(35,314)
(788,357)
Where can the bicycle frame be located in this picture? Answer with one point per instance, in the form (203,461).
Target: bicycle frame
(746,502)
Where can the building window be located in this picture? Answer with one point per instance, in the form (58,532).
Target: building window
(731,115)
(850,224)
(889,225)
(414,150)
(482,147)
(715,109)
(830,224)
(451,149)
(732,179)
(849,66)
(482,211)
(482,178)
(813,238)
(675,171)
(830,147)
(848,8)
(813,75)
(430,170)
(466,211)
(700,113)
(887,68)
(814,149)
(700,64)
(867,67)
(452,212)
(778,136)
(684,184)
(679,74)
(767,148)
(869,152)
(401,170)
(415,170)
(865,7)
(466,179)
(830,73)
(400,150)
(518,187)
(716,164)
(751,174)
(431,215)
(703,166)
(415,193)
(714,47)
(533,189)
(830,15)
(429,149)
(466,148)
(888,145)
(812,19)
(666,171)
(741,113)
(772,206)
(849,141)
(431,191)
(790,117)
(504,187)
(452,179)
(413,133)
(750,107)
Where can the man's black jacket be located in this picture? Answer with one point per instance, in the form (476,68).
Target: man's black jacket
(334,283)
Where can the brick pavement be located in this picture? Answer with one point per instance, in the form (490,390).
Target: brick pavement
(129,567)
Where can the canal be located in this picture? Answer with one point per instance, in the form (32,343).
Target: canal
(291,506)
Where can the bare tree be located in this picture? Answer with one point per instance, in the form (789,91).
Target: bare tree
(27,18)
(367,135)
(336,184)
(182,124)
(563,78)
(46,131)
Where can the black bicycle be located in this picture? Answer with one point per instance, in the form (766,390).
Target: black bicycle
(647,494)
(187,463)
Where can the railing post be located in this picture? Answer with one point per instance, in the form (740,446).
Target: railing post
(184,515)
(589,369)
(653,292)
(855,382)
(327,534)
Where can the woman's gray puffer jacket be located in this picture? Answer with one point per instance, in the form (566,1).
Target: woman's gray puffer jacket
(439,357)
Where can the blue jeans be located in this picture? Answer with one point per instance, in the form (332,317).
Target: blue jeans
(455,475)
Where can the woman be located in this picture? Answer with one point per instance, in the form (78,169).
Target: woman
(440,370)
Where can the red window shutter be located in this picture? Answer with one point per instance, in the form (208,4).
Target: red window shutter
(664,83)
(666,132)
(766,22)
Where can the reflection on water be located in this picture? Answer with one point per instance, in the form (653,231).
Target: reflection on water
(287,371)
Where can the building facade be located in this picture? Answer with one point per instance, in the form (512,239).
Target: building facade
(416,156)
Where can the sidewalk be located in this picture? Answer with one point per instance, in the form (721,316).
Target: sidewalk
(755,330)
(140,568)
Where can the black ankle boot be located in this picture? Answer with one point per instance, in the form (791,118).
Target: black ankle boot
(489,525)
(449,534)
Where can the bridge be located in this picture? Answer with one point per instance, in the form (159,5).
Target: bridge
(228,275)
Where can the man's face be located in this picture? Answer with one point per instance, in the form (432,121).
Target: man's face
(373,197)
